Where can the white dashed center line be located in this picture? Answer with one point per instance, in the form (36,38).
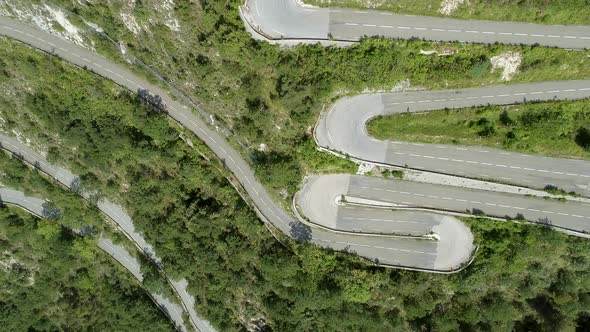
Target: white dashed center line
(503,33)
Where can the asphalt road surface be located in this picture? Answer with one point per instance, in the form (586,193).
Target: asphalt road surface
(407,195)
(385,249)
(343,128)
(425,239)
(120,254)
(370,247)
(389,207)
(113,211)
(32,205)
(285,19)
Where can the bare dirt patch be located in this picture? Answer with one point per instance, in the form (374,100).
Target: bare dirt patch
(509,62)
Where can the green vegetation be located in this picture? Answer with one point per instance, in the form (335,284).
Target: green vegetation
(271,96)
(54,280)
(558,191)
(553,128)
(76,213)
(538,11)
(524,277)
(388,173)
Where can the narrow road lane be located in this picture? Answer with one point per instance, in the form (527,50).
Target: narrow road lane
(285,19)
(111,210)
(34,206)
(343,129)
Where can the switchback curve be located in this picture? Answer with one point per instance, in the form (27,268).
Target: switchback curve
(342,129)
(363,245)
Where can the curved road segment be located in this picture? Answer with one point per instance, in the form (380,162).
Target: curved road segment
(285,19)
(326,201)
(111,210)
(343,129)
(266,16)
(34,206)
(365,246)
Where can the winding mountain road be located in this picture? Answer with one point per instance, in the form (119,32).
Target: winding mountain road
(367,246)
(343,128)
(34,206)
(111,210)
(442,244)
(358,204)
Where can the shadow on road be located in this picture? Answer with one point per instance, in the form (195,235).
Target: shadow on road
(300,232)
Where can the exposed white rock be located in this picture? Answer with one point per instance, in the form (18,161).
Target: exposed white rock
(444,52)
(401,86)
(428,52)
(168,10)
(447,7)
(45,17)
(365,168)
(71,30)
(8,262)
(509,62)
(262,147)
(173,24)
(284,193)
(130,23)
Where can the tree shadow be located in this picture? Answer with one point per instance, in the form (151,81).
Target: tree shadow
(545,222)
(300,232)
(152,102)
(50,211)
(76,185)
(477,212)
(582,138)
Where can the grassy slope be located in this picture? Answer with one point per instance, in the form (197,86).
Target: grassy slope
(538,11)
(549,129)
(524,277)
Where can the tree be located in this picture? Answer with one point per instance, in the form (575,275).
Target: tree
(583,138)
(505,119)
(50,211)
(48,229)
